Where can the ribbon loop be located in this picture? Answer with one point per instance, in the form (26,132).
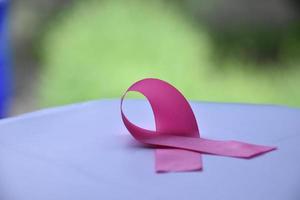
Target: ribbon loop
(177,137)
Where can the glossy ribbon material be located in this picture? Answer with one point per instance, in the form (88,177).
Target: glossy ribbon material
(177,139)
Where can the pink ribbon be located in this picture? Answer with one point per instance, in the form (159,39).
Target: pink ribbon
(177,139)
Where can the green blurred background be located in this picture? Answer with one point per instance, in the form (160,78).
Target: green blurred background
(223,50)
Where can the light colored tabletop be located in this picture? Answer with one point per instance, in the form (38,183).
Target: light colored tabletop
(83,151)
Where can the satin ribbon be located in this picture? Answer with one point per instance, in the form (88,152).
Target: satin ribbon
(176,138)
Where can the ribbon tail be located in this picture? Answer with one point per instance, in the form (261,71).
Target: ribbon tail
(177,160)
(201,145)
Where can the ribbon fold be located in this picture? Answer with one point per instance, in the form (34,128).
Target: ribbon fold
(177,138)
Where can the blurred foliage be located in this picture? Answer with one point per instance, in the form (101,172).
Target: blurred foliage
(96,49)
(261,46)
(261,32)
